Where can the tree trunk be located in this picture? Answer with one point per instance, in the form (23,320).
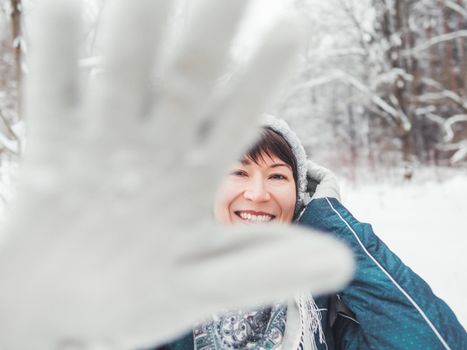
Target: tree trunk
(16,6)
(462,25)
(449,75)
(401,86)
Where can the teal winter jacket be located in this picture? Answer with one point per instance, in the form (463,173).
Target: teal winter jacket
(386,306)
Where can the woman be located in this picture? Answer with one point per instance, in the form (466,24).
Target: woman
(386,306)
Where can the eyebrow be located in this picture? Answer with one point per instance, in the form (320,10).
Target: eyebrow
(279,165)
(275,165)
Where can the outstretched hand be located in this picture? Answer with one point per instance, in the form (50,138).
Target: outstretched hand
(111,239)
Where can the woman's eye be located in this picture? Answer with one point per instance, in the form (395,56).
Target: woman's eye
(278,177)
(238,173)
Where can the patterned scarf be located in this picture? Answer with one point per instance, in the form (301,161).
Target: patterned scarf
(260,329)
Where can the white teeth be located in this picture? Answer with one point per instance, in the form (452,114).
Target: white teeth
(255,218)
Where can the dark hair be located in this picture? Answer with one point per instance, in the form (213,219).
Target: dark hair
(271,144)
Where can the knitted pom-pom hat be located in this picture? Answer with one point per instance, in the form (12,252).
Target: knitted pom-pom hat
(282,128)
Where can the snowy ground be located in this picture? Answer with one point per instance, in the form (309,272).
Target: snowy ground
(425,224)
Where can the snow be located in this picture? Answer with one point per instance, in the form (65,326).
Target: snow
(424,223)
(436,40)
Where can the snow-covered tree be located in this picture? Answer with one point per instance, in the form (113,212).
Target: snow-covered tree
(383,82)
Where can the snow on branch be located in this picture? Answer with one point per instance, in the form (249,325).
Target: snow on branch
(6,142)
(396,114)
(391,76)
(460,154)
(456,119)
(446,124)
(10,145)
(433,117)
(332,76)
(428,97)
(341,52)
(456,7)
(435,40)
(351,80)
(432,82)
(459,147)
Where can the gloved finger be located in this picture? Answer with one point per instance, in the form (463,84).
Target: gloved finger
(328,184)
(246,269)
(317,172)
(190,75)
(118,94)
(52,83)
(250,95)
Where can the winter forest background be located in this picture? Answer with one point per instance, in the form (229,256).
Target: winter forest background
(380,97)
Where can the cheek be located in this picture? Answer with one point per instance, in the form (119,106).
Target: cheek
(223,200)
(287,199)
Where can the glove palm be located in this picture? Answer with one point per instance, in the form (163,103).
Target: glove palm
(112,238)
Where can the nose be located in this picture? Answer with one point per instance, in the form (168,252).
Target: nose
(256,191)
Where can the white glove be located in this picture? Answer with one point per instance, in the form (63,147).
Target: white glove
(328,185)
(112,239)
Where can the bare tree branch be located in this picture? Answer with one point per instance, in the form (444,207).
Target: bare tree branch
(434,41)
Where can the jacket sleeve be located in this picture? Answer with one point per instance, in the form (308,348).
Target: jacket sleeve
(394,308)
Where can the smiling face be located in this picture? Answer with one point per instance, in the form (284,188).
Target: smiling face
(257,191)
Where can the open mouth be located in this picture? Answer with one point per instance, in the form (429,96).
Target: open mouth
(254,217)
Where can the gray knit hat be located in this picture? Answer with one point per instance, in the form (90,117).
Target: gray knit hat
(281,127)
